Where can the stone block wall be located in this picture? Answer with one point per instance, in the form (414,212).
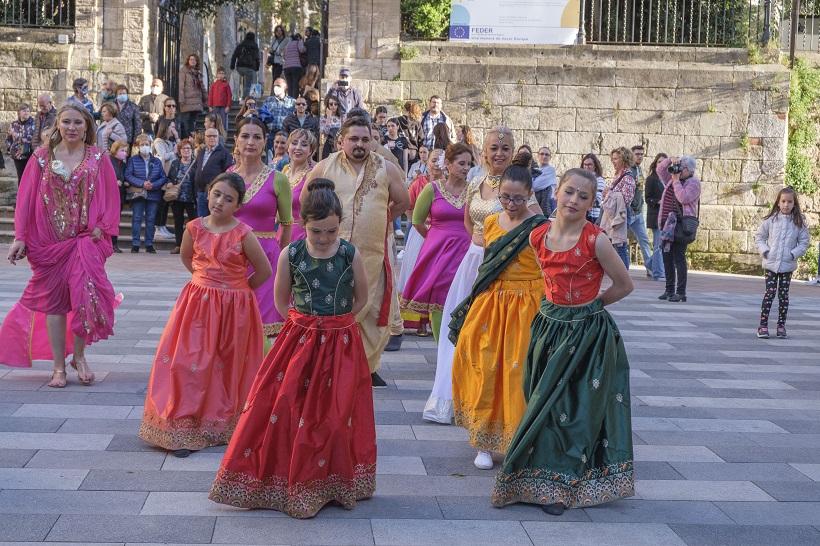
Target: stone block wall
(705,102)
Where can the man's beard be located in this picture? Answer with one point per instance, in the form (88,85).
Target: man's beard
(359,153)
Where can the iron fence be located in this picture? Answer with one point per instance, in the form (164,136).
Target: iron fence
(679,22)
(800,24)
(38,13)
(169,28)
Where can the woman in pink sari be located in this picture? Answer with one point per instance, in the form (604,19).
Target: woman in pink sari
(67,210)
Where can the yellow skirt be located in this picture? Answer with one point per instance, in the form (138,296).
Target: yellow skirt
(488,395)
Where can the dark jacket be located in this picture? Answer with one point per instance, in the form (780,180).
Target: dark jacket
(119,170)
(41,123)
(180,173)
(218,162)
(313,45)
(653,192)
(246,55)
(291,123)
(136,175)
(129,116)
(151,104)
(182,127)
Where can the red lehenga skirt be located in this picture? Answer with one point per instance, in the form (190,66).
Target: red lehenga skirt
(307,434)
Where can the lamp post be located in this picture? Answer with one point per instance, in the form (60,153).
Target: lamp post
(581,39)
(767,22)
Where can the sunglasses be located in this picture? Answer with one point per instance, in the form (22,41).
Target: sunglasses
(301,104)
(170,105)
(333,104)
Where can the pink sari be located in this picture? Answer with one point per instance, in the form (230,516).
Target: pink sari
(55,218)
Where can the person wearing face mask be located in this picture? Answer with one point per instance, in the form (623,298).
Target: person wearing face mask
(181,174)
(119,158)
(108,93)
(279,106)
(80,95)
(345,94)
(144,172)
(129,114)
(151,106)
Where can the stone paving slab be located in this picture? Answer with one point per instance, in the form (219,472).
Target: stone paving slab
(726,433)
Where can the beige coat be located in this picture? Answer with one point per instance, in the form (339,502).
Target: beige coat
(190,97)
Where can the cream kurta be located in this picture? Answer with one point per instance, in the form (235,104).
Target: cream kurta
(365,202)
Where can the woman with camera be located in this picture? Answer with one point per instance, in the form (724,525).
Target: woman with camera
(681,195)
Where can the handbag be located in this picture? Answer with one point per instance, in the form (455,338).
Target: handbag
(172,190)
(686,230)
(137,192)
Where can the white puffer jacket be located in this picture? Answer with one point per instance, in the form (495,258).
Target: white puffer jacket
(781,243)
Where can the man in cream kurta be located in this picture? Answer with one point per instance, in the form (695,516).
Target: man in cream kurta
(372,193)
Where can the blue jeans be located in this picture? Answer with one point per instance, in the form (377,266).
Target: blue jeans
(623,252)
(638,228)
(143,208)
(657,255)
(202,204)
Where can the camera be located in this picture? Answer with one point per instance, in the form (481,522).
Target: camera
(675,169)
(343,83)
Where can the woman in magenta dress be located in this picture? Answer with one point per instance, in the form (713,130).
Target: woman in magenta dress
(301,146)
(445,243)
(268,197)
(68,207)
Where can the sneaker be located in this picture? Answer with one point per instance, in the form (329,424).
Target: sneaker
(781,331)
(483,461)
(377,382)
(399,234)
(661,279)
(163,233)
(763,332)
(400,255)
(814,281)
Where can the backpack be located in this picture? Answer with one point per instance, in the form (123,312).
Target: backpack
(247,56)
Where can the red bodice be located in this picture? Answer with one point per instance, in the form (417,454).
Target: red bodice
(571,277)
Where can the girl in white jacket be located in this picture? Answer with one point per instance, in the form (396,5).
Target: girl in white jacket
(781,239)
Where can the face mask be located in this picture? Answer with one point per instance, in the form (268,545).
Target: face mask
(107,96)
(84,91)
(145,150)
(156,90)
(121,155)
(122,98)
(277,90)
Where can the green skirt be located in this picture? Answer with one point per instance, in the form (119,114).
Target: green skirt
(574,443)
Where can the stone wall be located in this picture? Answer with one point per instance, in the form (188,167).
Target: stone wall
(708,103)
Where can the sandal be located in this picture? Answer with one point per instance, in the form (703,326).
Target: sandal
(59,382)
(421,331)
(86,379)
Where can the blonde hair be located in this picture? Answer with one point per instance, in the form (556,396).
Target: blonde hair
(53,136)
(303,133)
(626,155)
(498,130)
(117,146)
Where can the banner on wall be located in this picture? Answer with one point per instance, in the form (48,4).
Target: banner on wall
(515,21)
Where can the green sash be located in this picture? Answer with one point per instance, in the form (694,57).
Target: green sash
(497,256)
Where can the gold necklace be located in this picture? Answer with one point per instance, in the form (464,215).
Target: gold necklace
(298,177)
(493,181)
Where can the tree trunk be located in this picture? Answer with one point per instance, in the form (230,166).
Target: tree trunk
(193,37)
(225,40)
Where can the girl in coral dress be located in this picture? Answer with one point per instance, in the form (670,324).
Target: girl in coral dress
(444,244)
(307,435)
(573,447)
(491,327)
(211,347)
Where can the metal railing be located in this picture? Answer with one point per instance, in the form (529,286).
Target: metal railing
(800,23)
(678,22)
(38,13)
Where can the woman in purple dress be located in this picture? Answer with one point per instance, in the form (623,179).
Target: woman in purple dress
(268,197)
(445,243)
(301,146)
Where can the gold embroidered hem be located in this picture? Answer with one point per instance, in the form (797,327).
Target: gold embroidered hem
(300,500)
(273,329)
(547,486)
(484,435)
(192,433)
(420,306)
(266,234)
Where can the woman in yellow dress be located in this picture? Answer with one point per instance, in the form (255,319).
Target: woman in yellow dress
(490,329)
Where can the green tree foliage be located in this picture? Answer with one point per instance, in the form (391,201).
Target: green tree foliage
(425,18)
(801,159)
(203,8)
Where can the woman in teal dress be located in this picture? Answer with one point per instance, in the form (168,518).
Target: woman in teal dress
(573,446)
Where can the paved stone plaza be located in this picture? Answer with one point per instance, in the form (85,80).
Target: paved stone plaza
(726,431)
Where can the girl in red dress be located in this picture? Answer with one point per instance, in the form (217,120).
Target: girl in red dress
(211,348)
(307,435)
